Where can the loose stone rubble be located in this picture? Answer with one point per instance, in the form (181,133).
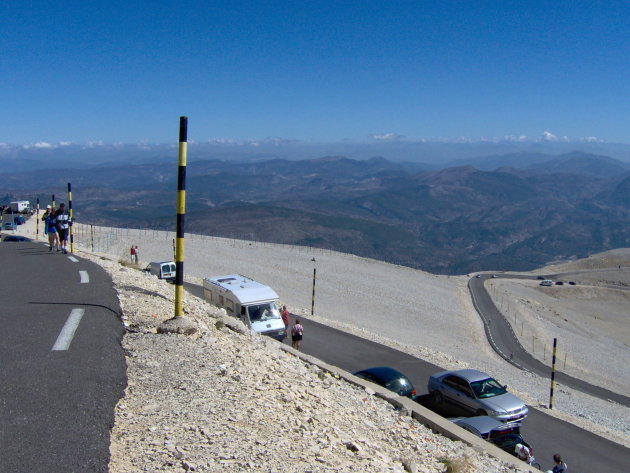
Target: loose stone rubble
(225,399)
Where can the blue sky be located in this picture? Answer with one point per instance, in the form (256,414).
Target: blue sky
(313,70)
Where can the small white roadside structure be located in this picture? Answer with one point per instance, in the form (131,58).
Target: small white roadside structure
(20,206)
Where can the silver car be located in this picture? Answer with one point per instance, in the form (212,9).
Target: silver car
(478,393)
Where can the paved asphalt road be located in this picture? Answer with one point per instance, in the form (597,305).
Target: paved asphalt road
(584,451)
(57,406)
(505,343)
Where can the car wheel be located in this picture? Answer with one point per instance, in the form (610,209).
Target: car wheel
(437,397)
(481,412)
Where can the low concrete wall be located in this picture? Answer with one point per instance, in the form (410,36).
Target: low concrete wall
(423,415)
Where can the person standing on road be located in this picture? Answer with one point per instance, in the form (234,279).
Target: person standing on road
(44,217)
(63,227)
(297,332)
(132,252)
(286,318)
(560,466)
(136,253)
(51,228)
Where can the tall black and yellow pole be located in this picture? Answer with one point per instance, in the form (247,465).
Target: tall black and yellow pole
(313,299)
(181,211)
(53,201)
(70,214)
(553,373)
(37,221)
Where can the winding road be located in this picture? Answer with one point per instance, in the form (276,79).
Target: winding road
(504,341)
(586,451)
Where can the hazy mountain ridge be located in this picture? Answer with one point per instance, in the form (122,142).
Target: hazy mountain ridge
(451,220)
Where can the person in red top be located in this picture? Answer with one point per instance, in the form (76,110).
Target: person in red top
(132,252)
(286,318)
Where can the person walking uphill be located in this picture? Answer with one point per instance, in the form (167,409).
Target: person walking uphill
(297,333)
(51,228)
(63,227)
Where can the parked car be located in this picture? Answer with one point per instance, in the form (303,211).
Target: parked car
(389,378)
(506,436)
(572,283)
(540,277)
(8,226)
(559,283)
(478,393)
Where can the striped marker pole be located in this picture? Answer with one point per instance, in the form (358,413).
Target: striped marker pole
(53,201)
(313,300)
(553,373)
(37,222)
(181,211)
(70,213)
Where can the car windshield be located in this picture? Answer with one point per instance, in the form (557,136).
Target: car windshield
(401,386)
(487,388)
(262,312)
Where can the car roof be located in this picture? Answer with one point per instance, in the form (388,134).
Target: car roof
(469,375)
(383,372)
(483,424)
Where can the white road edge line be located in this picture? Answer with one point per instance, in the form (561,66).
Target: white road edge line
(73,259)
(85,277)
(67,332)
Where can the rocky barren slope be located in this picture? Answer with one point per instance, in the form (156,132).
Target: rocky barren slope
(229,400)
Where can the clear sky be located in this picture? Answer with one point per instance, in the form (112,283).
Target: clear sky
(124,71)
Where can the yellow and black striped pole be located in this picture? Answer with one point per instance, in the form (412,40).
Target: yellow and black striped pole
(53,201)
(313,299)
(553,373)
(37,221)
(181,211)
(70,214)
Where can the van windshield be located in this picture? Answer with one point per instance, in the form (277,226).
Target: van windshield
(262,312)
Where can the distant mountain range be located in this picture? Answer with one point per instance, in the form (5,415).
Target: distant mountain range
(516,211)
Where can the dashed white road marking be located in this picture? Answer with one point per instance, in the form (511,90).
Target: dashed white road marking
(85,277)
(67,332)
(73,259)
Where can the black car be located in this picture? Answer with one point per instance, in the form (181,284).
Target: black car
(506,436)
(389,378)
(559,283)
(540,277)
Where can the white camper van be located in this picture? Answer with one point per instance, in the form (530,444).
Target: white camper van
(252,302)
(162,269)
